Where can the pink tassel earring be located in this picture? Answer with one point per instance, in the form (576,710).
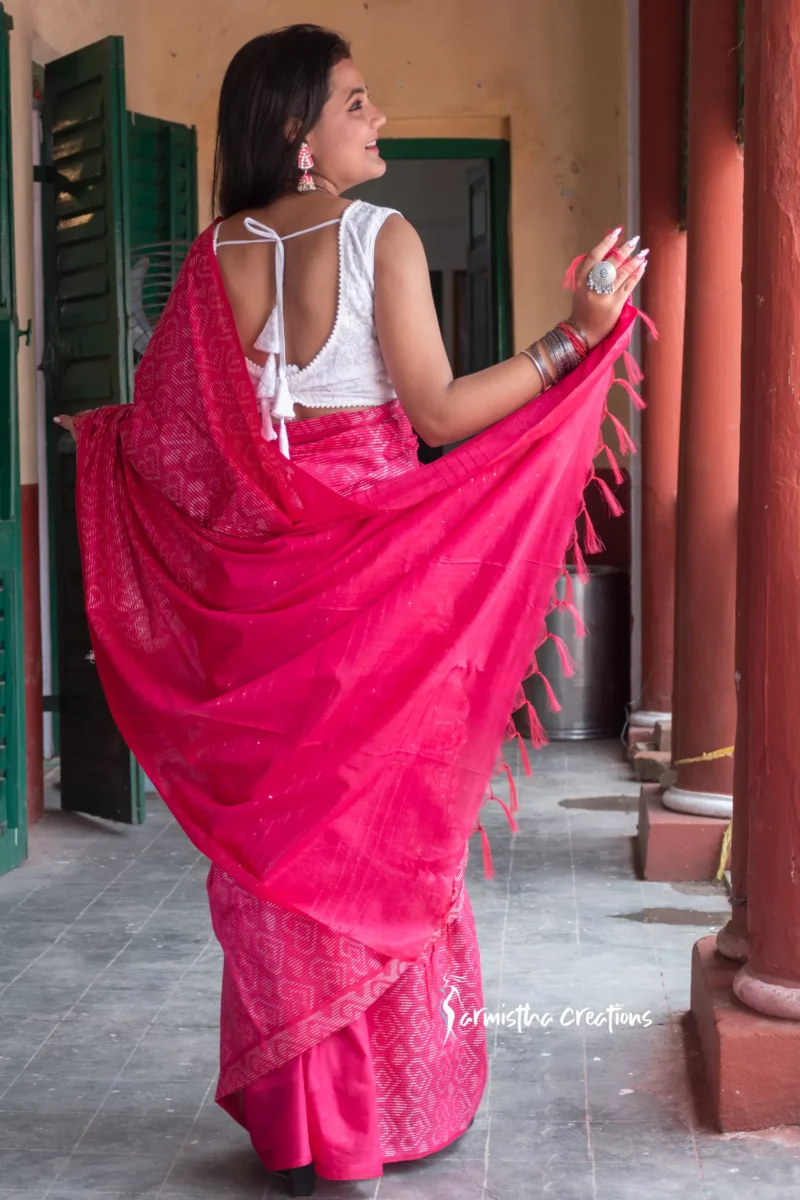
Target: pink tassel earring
(304,163)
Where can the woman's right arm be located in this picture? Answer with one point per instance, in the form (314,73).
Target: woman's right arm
(440,408)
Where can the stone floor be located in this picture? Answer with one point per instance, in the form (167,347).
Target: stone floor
(109,981)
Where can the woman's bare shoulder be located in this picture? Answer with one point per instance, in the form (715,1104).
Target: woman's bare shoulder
(398,243)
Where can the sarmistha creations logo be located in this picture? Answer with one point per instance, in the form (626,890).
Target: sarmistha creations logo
(445,1008)
(522,1017)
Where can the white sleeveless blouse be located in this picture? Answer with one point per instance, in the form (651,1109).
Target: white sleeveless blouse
(349,371)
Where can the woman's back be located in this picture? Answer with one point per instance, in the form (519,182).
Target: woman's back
(301,286)
(311,280)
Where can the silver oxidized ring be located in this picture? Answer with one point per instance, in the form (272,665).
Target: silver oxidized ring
(602,277)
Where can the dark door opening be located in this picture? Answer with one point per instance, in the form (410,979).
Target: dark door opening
(455,192)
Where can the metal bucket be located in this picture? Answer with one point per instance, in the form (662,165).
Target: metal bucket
(593,702)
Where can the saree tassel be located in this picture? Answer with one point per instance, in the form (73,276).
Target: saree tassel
(567,604)
(567,661)
(538,735)
(592,543)
(635,372)
(512,789)
(552,701)
(488,866)
(580,561)
(636,399)
(611,500)
(626,442)
(523,753)
(649,323)
(569,593)
(571,277)
(580,628)
(283,439)
(509,814)
(612,462)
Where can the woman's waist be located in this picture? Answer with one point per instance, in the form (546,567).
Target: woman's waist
(386,422)
(333,405)
(351,449)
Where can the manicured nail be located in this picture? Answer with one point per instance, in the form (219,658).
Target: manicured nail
(632,244)
(643,254)
(616,232)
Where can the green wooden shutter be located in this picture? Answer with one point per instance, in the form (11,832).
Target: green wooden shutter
(162,180)
(87,363)
(162,173)
(13,795)
(162,176)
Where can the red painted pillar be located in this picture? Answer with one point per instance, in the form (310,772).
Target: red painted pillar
(704,698)
(732,940)
(661,84)
(770,982)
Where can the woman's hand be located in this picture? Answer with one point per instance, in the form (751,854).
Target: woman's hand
(68,423)
(597,315)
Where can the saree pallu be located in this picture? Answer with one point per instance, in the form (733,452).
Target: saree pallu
(329,1052)
(318,683)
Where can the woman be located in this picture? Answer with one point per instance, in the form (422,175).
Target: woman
(313,645)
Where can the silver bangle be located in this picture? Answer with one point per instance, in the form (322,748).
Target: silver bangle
(562,352)
(538,368)
(570,355)
(542,365)
(580,334)
(556,352)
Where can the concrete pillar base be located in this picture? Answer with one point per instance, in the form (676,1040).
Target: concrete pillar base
(676,847)
(752,1062)
(771,999)
(648,720)
(642,726)
(733,945)
(699,804)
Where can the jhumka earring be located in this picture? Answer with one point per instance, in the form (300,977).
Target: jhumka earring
(304,163)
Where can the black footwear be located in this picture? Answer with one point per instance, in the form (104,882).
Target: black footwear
(299,1180)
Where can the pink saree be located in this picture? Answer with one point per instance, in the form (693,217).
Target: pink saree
(315,660)
(346,1069)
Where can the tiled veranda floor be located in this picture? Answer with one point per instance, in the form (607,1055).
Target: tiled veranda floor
(109,981)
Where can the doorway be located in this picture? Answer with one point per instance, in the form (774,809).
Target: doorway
(455,192)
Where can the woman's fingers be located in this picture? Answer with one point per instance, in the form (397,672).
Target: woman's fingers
(622,254)
(628,268)
(634,277)
(66,422)
(602,249)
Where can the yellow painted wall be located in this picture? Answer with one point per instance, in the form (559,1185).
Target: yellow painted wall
(552,73)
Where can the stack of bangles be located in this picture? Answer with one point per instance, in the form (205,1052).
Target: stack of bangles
(566,345)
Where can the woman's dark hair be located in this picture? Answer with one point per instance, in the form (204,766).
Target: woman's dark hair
(274,79)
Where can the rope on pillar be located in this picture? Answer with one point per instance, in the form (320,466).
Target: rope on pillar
(708,756)
(724,854)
